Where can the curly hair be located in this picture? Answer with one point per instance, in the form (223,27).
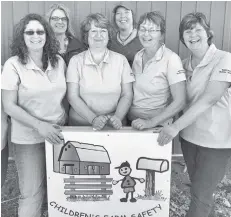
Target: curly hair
(100,21)
(66,11)
(19,48)
(190,20)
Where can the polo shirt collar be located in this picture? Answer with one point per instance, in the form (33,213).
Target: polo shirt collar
(31,65)
(89,61)
(158,56)
(208,56)
(160,53)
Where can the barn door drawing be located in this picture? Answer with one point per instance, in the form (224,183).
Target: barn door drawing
(69,168)
(93,170)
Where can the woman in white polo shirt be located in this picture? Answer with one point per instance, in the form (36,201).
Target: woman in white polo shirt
(206,124)
(33,87)
(99,80)
(159,89)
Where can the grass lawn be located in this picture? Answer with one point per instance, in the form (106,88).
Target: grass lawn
(180,196)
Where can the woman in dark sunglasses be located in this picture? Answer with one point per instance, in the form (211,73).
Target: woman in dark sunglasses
(59,19)
(33,88)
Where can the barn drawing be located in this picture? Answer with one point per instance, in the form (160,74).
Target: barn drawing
(78,158)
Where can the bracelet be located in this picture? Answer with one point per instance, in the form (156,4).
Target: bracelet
(94,119)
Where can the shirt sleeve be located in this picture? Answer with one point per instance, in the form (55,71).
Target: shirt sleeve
(72,75)
(127,74)
(10,77)
(222,72)
(176,72)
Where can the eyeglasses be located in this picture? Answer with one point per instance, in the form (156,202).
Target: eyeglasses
(38,32)
(56,19)
(150,31)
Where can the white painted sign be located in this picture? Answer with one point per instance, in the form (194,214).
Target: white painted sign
(108,174)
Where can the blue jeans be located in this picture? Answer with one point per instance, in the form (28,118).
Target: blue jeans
(31,166)
(206,168)
(4,163)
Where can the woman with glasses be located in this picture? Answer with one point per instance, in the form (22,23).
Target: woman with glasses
(59,19)
(206,123)
(33,87)
(99,80)
(126,41)
(159,89)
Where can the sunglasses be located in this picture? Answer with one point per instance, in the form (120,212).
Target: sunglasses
(31,32)
(56,19)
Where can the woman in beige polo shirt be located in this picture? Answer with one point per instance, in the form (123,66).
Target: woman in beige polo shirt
(33,87)
(159,89)
(206,124)
(99,81)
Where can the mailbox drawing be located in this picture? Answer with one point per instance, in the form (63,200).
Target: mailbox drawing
(152,166)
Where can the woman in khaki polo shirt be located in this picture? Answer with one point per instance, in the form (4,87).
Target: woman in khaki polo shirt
(99,80)
(206,124)
(159,89)
(33,87)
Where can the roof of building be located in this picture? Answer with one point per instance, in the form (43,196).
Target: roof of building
(87,153)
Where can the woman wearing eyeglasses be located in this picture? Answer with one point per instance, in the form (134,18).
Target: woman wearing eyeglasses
(33,87)
(99,80)
(126,40)
(59,19)
(159,89)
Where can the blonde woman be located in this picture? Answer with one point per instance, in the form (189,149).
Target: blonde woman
(59,18)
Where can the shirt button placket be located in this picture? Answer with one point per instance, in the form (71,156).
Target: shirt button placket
(99,71)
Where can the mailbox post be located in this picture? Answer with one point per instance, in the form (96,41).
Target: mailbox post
(151,166)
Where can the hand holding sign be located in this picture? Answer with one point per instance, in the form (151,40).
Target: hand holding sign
(167,134)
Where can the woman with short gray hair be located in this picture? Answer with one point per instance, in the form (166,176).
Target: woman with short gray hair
(159,89)
(99,80)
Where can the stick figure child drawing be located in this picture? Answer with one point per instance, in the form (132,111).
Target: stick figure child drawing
(128,182)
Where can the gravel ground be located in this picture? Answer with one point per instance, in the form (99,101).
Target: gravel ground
(180,197)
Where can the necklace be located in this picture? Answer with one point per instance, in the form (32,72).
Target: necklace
(63,45)
(123,40)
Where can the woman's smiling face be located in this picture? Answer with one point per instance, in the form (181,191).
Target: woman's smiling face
(196,37)
(59,21)
(149,34)
(34,35)
(123,18)
(97,37)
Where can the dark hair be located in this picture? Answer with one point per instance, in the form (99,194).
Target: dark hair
(154,17)
(19,48)
(66,11)
(100,21)
(122,6)
(190,20)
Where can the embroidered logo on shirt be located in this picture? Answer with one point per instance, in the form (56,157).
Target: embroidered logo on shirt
(180,72)
(224,71)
